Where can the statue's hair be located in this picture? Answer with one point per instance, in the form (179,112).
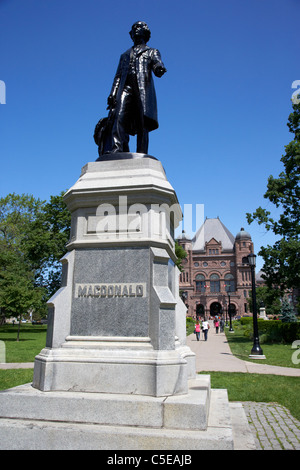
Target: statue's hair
(146,30)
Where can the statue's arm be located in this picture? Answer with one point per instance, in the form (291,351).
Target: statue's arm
(157,64)
(115,86)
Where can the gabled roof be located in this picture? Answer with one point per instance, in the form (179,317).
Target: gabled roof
(213,228)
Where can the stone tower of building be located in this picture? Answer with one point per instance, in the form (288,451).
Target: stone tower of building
(216,272)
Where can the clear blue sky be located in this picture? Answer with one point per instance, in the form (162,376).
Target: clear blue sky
(223,104)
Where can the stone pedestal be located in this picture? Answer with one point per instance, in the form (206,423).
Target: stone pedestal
(112,325)
(262,313)
(116,369)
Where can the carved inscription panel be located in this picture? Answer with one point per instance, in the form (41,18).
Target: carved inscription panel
(111,290)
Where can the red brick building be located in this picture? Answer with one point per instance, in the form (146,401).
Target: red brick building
(216,266)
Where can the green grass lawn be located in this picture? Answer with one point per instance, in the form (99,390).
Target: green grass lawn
(260,388)
(32,340)
(13,377)
(276,354)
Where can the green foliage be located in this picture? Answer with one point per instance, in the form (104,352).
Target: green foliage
(269,297)
(180,254)
(18,294)
(272,331)
(54,226)
(287,314)
(282,260)
(33,235)
(190,325)
(245,321)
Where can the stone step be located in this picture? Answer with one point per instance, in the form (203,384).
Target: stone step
(181,411)
(29,434)
(31,419)
(41,435)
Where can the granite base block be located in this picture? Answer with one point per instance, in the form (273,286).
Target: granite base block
(119,371)
(32,419)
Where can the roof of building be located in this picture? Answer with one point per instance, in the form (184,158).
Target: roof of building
(213,228)
(243,235)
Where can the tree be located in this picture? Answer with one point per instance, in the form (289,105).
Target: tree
(33,235)
(269,297)
(287,314)
(282,260)
(52,227)
(17,292)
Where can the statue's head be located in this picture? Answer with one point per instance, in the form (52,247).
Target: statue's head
(140,30)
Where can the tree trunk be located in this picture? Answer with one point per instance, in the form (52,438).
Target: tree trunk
(18,334)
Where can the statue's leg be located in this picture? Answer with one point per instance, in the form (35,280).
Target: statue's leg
(142,141)
(119,136)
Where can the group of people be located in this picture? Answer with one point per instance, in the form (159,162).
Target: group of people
(219,323)
(204,327)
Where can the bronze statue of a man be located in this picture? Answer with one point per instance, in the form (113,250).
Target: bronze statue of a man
(132,99)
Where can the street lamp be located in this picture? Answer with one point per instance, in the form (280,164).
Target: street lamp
(256,350)
(226,312)
(231,330)
(227,289)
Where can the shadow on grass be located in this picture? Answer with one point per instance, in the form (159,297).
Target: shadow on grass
(26,329)
(10,339)
(238,339)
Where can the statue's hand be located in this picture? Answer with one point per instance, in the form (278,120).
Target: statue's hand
(159,71)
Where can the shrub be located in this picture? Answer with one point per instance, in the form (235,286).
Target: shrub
(190,325)
(245,320)
(272,331)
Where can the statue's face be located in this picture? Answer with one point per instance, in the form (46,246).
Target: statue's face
(138,33)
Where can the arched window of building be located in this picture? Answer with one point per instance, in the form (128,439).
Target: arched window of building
(200,283)
(229,283)
(214,283)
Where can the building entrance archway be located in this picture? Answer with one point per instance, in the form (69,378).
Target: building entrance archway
(215,309)
(200,311)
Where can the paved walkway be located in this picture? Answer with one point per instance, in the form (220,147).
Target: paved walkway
(272,425)
(16,365)
(215,355)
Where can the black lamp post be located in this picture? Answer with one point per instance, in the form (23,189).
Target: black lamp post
(256,349)
(226,312)
(231,330)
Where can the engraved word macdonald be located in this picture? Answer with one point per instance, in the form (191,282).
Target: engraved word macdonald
(111,290)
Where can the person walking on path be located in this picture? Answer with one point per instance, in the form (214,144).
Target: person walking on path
(217,325)
(205,328)
(197,330)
